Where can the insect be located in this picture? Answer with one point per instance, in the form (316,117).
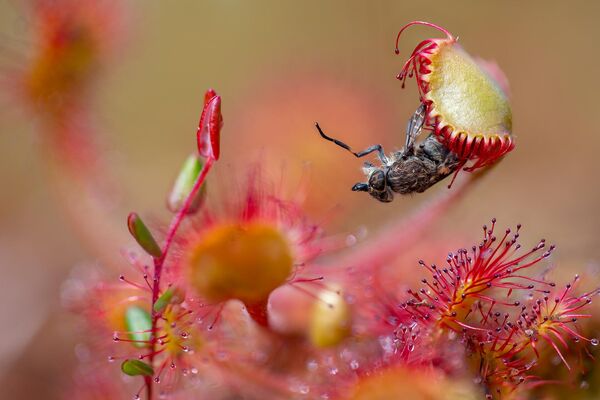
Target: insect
(467,109)
(413,169)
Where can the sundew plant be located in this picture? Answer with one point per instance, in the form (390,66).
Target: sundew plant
(243,294)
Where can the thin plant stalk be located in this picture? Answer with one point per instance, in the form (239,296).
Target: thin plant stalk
(159,262)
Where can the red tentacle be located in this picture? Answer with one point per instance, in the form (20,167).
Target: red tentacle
(439,28)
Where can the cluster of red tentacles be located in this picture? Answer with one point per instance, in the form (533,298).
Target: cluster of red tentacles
(484,297)
(418,62)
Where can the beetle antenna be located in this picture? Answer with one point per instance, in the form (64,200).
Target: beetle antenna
(439,28)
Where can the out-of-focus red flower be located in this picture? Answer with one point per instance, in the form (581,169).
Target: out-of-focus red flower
(410,383)
(72,41)
(246,247)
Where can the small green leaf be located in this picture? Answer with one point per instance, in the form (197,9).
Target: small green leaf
(163,300)
(173,295)
(139,325)
(142,235)
(136,367)
(183,186)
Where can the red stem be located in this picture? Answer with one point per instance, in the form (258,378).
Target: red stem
(184,209)
(159,261)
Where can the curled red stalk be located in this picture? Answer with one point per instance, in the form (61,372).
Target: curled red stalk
(209,127)
(208,135)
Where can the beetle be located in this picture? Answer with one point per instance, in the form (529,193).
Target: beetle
(413,169)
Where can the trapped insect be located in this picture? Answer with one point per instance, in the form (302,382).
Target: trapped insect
(466,107)
(413,169)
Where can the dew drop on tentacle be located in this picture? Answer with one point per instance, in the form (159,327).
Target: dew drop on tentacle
(584,385)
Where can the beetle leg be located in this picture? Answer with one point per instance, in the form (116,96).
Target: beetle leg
(375,148)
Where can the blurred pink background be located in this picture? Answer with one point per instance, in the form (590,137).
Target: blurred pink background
(281,66)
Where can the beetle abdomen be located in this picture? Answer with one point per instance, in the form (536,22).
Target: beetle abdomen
(412,175)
